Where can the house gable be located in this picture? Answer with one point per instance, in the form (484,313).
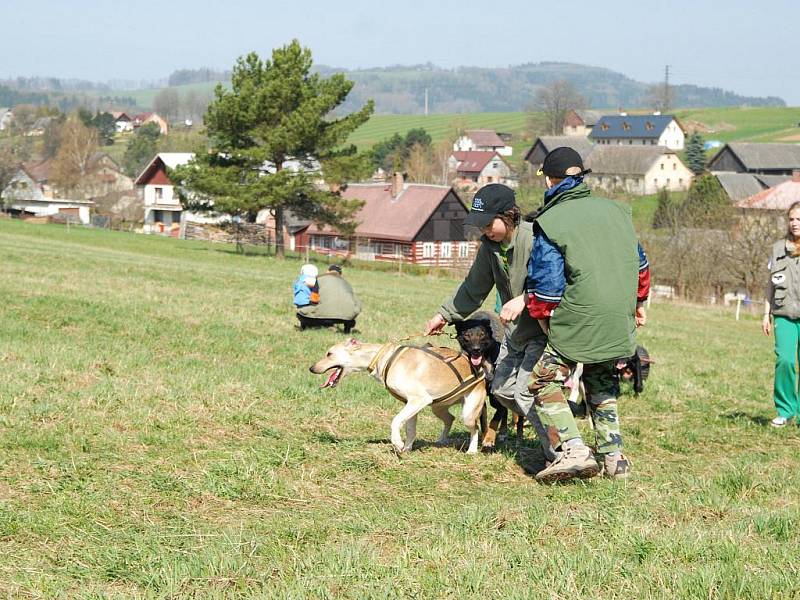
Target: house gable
(446,223)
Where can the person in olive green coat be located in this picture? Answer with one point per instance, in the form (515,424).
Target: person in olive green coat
(587,280)
(501,263)
(783,303)
(337,303)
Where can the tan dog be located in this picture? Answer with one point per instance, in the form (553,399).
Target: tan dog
(417,376)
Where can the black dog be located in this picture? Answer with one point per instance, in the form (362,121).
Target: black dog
(479,338)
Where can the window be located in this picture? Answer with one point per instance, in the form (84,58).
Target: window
(667,180)
(674,166)
(662,166)
(680,180)
(446,249)
(463,249)
(427,249)
(159,193)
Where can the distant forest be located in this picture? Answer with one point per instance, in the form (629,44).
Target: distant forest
(401,89)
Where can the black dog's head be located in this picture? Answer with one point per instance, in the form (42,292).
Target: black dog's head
(477,339)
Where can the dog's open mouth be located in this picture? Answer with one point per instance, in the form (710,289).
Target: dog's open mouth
(476,359)
(333,378)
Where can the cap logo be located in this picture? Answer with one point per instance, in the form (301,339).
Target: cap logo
(477,204)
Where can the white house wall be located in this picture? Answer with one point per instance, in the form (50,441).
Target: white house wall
(672,137)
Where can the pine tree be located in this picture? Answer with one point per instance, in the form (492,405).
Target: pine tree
(276,110)
(696,154)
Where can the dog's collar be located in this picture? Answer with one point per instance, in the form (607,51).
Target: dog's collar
(373,364)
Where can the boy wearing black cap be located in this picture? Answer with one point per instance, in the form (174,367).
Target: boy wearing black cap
(501,263)
(587,280)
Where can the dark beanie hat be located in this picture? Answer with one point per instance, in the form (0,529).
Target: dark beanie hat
(335,268)
(563,162)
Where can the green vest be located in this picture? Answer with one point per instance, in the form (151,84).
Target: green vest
(595,320)
(784,289)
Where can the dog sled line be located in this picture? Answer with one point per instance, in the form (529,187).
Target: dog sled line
(435,376)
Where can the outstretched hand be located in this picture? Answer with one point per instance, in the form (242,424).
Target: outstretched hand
(512,309)
(435,325)
(766,325)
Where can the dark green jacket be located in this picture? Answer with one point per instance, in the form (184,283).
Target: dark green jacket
(487,271)
(336,300)
(594,321)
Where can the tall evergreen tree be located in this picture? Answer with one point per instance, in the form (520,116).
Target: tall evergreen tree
(277,110)
(696,154)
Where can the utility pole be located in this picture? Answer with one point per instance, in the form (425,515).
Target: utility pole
(426,102)
(665,102)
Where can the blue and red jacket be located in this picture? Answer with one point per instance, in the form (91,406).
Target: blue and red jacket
(546,280)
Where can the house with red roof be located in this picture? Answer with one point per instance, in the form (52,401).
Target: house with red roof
(475,168)
(484,140)
(780,197)
(408,222)
(151,117)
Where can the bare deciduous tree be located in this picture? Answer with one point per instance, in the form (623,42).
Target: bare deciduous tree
(72,161)
(554,100)
(420,164)
(167,104)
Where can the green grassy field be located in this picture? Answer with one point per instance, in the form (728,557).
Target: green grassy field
(746,124)
(162,438)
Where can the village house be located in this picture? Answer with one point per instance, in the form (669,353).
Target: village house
(758,159)
(162,206)
(474,169)
(778,198)
(408,222)
(484,140)
(637,170)
(639,130)
(38,127)
(122,122)
(580,122)
(151,117)
(547,143)
(29,194)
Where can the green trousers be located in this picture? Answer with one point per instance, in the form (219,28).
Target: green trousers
(787,341)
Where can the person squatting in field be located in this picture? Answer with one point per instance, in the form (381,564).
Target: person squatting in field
(501,263)
(587,281)
(783,304)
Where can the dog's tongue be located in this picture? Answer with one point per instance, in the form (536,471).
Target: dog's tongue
(333,378)
(476,360)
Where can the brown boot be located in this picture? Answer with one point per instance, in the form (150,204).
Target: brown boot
(616,467)
(575,461)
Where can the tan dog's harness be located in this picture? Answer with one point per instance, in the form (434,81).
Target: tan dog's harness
(464,386)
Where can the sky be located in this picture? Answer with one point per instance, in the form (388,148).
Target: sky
(748,47)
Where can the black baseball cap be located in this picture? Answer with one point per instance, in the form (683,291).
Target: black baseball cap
(489,201)
(563,162)
(335,268)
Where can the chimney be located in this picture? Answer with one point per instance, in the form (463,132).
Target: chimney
(796,175)
(397,184)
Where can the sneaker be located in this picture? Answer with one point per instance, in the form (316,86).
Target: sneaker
(779,421)
(576,461)
(616,467)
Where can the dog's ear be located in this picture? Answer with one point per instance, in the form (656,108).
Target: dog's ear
(352,343)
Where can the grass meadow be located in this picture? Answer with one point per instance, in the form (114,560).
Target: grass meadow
(161,437)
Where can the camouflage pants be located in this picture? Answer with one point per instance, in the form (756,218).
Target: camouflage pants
(601,384)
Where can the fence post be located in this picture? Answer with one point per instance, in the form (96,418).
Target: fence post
(738,307)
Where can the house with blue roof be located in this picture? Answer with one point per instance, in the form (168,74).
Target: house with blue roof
(639,130)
